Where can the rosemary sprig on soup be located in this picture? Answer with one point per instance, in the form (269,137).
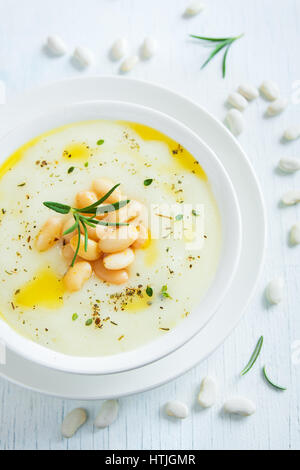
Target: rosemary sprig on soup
(88,220)
(99,232)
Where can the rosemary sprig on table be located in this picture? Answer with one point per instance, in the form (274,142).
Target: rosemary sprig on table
(87,216)
(270,382)
(221,43)
(254,356)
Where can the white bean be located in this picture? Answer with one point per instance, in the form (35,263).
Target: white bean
(73,421)
(49,234)
(177,409)
(85,199)
(129,63)
(113,241)
(270,90)
(120,260)
(127,213)
(91,254)
(77,276)
(275,291)
(277,107)
(83,56)
(289,165)
(68,254)
(235,121)
(240,405)
(102,231)
(111,277)
(237,101)
(292,133)
(56,45)
(119,48)
(69,222)
(143,237)
(92,232)
(194,8)
(291,198)
(249,91)
(208,392)
(108,414)
(102,186)
(149,48)
(295,234)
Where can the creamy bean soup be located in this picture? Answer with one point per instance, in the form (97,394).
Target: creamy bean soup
(101,294)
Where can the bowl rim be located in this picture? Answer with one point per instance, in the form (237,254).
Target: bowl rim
(158,348)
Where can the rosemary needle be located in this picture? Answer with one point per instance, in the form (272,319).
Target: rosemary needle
(220,44)
(254,356)
(270,382)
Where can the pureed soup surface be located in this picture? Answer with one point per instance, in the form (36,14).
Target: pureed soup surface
(33,299)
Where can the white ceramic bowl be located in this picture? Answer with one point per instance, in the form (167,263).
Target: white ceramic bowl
(231,227)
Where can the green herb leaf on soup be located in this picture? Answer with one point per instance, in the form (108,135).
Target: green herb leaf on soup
(149,291)
(57,207)
(164,292)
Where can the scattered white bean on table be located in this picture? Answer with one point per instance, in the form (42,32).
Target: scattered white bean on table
(194,8)
(56,45)
(235,121)
(292,133)
(107,414)
(237,101)
(208,392)
(129,64)
(73,421)
(119,48)
(239,405)
(177,409)
(277,107)
(149,48)
(83,56)
(275,291)
(248,91)
(295,234)
(270,90)
(289,165)
(291,198)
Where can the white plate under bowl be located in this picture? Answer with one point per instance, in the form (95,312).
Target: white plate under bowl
(231,235)
(34,377)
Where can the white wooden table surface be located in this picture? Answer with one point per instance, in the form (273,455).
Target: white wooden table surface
(270,49)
